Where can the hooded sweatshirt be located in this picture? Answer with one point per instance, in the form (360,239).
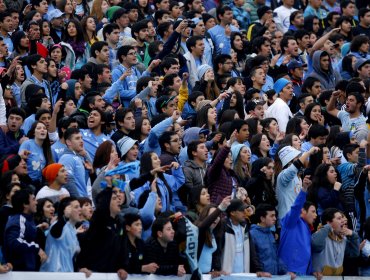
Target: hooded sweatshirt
(328,79)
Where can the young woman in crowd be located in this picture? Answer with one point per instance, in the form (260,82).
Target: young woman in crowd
(62,244)
(241,163)
(313,114)
(260,146)
(74,37)
(198,199)
(260,186)
(167,185)
(38,147)
(325,190)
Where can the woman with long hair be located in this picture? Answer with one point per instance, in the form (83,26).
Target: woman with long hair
(270,129)
(293,140)
(88,25)
(40,153)
(98,10)
(144,9)
(241,163)
(167,185)
(46,39)
(260,186)
(239,46)
(260,146)
(228,116)
(210,235)
(348,65)
(62,244)
(75,37)
(52,77)
(206,82)
(198,199)
(298,126)
(325,189)
(234,101)
(18,78)
(66,6)
(44,218)
(207,117)
(312,114)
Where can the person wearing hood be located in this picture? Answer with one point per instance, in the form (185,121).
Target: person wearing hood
(192,134)
(241,163)
(103,246)
(260,185)
(323,70)
(264,240)
(280,109)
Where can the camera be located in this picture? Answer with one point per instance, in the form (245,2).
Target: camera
(191,23)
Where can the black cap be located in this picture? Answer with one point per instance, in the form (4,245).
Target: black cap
(236,205)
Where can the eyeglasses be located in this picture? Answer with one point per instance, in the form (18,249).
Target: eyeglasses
(132,53)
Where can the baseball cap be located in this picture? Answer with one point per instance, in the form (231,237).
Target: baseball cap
(55,14)
(236,205)
(361,62)
(252,104)
(295,64)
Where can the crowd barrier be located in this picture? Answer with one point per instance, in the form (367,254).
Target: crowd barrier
(113,276)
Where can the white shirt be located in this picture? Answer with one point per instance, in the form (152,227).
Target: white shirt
(46,192)
(281,112)
(282,18)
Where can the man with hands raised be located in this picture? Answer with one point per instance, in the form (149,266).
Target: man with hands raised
(125,76)
(295,236)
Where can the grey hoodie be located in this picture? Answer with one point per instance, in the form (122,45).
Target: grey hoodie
(329,79)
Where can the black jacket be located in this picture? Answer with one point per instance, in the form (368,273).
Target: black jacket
(103,245)
(168,261)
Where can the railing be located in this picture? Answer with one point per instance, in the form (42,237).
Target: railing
(113,276)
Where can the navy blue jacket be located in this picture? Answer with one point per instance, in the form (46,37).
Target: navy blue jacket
(20,247)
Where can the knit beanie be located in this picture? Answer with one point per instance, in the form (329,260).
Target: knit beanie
(50,172)
(235,151)
(280,84)
(206,17)
(202,70)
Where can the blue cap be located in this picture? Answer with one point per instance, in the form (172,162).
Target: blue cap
(295,64)
(280,84)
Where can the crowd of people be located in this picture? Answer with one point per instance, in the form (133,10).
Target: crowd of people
(128,126)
